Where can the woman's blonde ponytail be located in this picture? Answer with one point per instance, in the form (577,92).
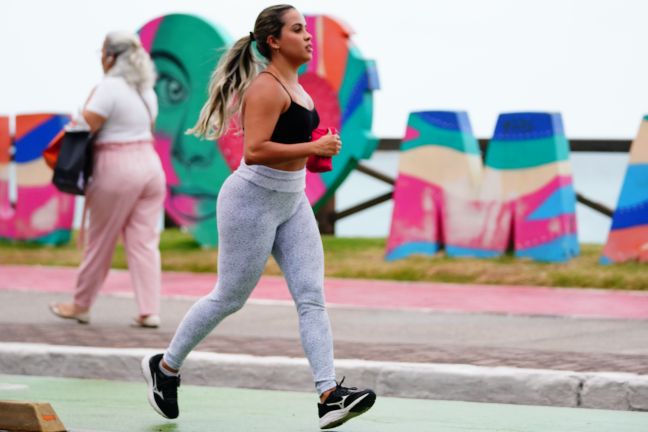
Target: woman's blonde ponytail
(234,73)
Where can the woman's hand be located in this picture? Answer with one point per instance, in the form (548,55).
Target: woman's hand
(328,145)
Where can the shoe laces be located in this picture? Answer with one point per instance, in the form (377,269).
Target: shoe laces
(340,390)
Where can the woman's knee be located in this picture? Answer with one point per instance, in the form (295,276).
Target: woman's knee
(225,305)
(309,300)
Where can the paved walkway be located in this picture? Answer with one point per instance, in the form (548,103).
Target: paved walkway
(373,320)
(103,406)
(518,300)
(370,334)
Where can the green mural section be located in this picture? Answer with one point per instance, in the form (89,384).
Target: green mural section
(186,49)
(536,153)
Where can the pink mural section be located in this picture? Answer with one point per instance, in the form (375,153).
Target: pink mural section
(416,221)
(628,237)
(521,200)
(439,159)
(148,32)
(39,212)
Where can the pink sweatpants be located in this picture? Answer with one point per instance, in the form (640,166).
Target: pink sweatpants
(126,197)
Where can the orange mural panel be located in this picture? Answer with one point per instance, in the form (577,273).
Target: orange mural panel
(335,41)
(26,123)
(5,140)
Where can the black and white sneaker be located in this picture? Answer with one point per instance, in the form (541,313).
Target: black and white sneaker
(162,389)
(343,404)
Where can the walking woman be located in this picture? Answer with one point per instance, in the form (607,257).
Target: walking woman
(126,194)
(262,209)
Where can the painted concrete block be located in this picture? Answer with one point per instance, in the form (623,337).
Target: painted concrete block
(628,237)
(522,199)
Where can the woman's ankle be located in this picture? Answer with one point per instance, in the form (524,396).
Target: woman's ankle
(326,394)
(168,368)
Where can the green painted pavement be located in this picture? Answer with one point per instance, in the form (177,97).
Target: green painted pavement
(109,406)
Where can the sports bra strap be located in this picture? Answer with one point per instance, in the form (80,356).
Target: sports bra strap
(280,83)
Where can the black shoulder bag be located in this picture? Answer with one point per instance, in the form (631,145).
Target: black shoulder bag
(73,168)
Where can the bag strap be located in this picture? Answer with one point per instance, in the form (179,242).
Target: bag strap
(148,110)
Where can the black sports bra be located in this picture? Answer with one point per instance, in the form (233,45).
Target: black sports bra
(296,124)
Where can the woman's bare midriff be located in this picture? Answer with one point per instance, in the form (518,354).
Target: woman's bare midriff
(294,165)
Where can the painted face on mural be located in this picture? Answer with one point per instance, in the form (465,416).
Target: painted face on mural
(192,159)
(190,198)
(194,168)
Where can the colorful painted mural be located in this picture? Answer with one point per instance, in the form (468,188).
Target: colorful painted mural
(185,50)
(628,237)
(522,200)
(341,82)
(40,213)
(438,150)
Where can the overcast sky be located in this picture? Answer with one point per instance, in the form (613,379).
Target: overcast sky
(584,58)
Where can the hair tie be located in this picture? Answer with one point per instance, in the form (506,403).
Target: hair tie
(252,38)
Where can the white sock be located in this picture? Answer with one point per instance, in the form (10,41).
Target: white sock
(166,371)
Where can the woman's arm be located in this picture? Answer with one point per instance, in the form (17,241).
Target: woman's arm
(94,120)
(264,102)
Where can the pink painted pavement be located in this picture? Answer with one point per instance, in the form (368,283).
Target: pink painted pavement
(515,300)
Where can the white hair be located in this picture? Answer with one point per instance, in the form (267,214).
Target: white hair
(132,61)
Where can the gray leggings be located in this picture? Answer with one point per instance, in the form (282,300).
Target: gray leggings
(261,211)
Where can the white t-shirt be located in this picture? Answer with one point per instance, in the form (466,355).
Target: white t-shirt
(126,116)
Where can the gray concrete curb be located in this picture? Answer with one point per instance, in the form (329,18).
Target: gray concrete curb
(618,391)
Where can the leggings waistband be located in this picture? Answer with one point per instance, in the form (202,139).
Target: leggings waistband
(273,179)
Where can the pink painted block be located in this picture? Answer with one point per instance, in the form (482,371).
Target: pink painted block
(531,233)
(417,213)
(477,224)
(39,211)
